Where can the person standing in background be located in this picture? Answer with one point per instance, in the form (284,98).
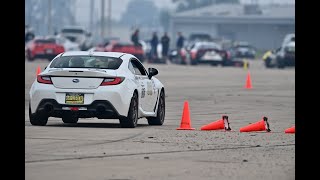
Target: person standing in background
(154,44)
(180,41)
(135,38)
(165,40)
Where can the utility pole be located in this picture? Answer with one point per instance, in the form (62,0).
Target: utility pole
(49,17)
(102,19)
(109,18)
(91,15)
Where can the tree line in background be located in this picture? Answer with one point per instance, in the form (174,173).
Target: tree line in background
(139,13)
(184,5)
(145,13)
(36,14)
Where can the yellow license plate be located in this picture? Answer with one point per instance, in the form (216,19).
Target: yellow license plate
(74,98)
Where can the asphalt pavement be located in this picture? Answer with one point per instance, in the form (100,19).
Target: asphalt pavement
(96,149)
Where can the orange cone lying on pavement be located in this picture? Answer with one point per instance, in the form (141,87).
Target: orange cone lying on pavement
(261,125)
(38,70)
(185,121)
(219,124)
(291,130)
(248,82)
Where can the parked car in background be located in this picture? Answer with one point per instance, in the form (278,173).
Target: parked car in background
(78,35)
(117,46)
(67,44)
(207,52)
(178,57)
(288,38)
(286,55)
(40,47)
(146,46)
(243,50)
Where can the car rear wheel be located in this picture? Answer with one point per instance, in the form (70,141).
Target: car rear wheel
(132,119)
(37,119)
(70,119)
(160,112)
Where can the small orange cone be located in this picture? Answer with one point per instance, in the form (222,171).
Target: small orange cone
(257,126)
(38,70)
(291,130)
(185,121)
(219,124)
(248,82)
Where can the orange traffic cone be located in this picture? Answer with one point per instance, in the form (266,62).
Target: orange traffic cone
(248,82)
(257,126)
(291,130)
(219,124)
(38,70)
(185,121)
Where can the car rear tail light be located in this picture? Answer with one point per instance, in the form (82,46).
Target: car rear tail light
(228,55)
(112,81)
(193,54)
(44,79)
(201,52)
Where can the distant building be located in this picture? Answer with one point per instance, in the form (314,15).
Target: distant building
(263,26)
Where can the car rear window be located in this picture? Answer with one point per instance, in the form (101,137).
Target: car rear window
(97,62)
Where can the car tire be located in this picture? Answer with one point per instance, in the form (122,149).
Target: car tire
(194,62)
(37,119)
(70,119)
(132,119)
(280,64)
(160,112)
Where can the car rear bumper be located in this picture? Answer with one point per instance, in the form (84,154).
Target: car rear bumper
(102,109)
(119,96)
(209,61)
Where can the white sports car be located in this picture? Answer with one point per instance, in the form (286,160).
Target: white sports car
(106,85)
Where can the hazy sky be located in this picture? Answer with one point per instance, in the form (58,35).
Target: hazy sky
(119,7)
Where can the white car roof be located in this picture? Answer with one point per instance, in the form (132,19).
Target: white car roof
(291,44)
(207,43)
(93,53)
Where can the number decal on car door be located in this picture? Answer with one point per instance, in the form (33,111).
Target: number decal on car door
(143,92)
(149,88)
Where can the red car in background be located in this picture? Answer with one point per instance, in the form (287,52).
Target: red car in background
(116,46)
(43,48)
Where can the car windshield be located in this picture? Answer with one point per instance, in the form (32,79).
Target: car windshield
(45,41)
(80,31)
(244,46)
(208,46)
(97,62)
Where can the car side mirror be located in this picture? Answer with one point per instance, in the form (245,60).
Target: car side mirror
(152,72)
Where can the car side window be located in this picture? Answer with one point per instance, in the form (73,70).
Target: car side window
(130,67)
(138,68)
